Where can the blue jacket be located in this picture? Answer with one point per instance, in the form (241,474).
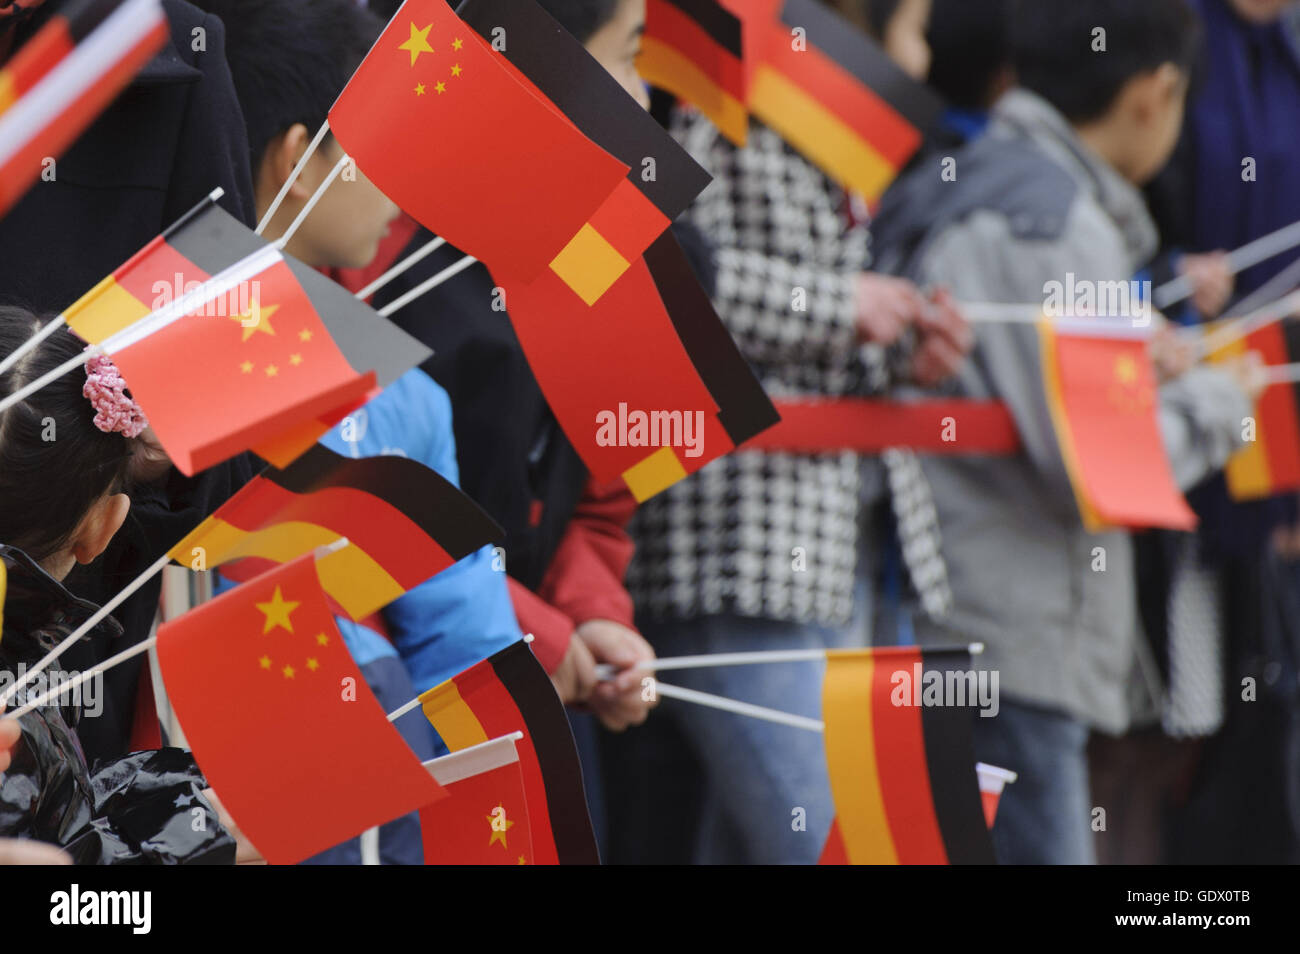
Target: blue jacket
(464,614)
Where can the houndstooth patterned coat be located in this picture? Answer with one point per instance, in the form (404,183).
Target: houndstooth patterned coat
(775,535)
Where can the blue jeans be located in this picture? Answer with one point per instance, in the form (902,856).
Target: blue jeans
(1044,817)
(761,795)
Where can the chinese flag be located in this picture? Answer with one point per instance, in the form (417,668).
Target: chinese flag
(281,720)
(1102,393)
(221,371)
(436,120)
(485,820)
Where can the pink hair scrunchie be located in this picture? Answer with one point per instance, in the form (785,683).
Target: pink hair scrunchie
(106,389)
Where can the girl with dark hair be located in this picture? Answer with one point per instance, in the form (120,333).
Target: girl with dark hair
(65,454)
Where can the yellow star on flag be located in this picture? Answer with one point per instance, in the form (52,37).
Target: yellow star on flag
(266,662)
(295,359)
(277,612)
(456,70)
(256,319)
(288,672)
(313,664)
(499,833)
(1126,370)
(457,43)
(419,89)
(322,639)
(440,88)
(272,370)
(304,335)
(418,43)
(246,367)
(522,861)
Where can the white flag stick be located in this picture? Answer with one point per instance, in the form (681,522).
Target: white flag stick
(64,687)
(316,196)
(399,269)
(1283,373)
(741,708)
(606,671)
(85,627)
(34,386)
(30,343)
(1247,324)
(448,273)
(398,713)
(1248,256)
(293,177)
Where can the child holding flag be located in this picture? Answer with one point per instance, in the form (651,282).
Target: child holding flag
(60,505)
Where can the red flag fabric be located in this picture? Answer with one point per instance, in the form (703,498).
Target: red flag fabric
(281,720)
(484,820)
(1101,389)
(436,120)
(214,383)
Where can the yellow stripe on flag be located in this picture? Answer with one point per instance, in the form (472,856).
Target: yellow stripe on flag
(661,65)
(589,265)
(351,576)
(1247,471)
(451,718)
(820,135)
(851,758)
(656,473)
(7,97)
(1092,520)
(104,311)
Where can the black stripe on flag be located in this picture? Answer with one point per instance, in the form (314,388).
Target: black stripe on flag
(430,501)
(84,16)
(950,760)
(722,26)
(856,53)
(212,238)
(548,727)
(369,341)
(744,407)
(566,73)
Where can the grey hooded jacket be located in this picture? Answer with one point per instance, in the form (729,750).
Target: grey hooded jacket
(1031,203)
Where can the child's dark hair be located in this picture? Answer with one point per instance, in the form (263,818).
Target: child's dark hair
(290,60)
(1054,56)
(54,462)
(581,18)
(971,44)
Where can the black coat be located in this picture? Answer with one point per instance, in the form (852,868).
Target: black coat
(172,137)
(139,809)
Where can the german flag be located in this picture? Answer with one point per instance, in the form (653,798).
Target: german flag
(835,96)
(207,242)
(1270,464)
(65,76)
(510,692)
(902,769)
(403,523)
(662,179)
(664,390)
(693,49)
(1101,389)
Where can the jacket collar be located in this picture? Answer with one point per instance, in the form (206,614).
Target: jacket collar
(1021,113)
(38,609)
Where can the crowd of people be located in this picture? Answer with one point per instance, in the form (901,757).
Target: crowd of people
(1101,139)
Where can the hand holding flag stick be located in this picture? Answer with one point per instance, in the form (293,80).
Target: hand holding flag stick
(1248,256)
(705,661)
